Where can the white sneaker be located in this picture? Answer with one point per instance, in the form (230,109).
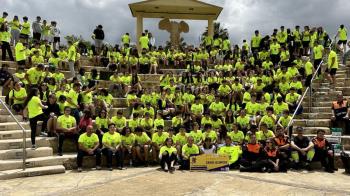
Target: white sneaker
(80,169)
(33,147)
(98,168)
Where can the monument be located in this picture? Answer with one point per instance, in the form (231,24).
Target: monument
(174,9)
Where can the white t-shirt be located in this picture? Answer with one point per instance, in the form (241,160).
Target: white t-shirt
(55,31)
(209,151)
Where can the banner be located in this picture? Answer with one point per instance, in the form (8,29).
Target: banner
(209,162)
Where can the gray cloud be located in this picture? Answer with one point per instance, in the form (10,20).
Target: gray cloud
(241,17)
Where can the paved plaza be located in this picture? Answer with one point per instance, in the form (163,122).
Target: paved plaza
(151,181)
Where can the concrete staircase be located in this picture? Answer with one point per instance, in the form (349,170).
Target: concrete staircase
(39,162)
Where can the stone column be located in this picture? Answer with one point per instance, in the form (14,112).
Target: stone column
(210,27)
(139,30)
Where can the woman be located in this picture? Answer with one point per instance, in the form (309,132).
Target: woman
(208,146)
(101,122)
(35,113)
(17,96)
(5,42)
(167,156)
(128,140)
(44,93)
(52,111)
(85,121)
(273,163)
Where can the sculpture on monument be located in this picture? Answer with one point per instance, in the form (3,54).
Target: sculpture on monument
(174,28)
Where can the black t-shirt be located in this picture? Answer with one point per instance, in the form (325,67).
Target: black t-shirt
(4,76)
(52,108)
(99,34)
(301,142)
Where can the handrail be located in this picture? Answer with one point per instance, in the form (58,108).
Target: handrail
(309,88)
(24,156)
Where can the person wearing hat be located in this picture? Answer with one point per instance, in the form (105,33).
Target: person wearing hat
(292,99)
(323,151)
(302,150)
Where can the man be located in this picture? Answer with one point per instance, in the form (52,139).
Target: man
(36,26)
(323,151)
(98,36)
(5,39)
(255,43)
(318,55)
(144,40)
(25,31)
(55,32)
(308,70)
(3,18)
(275,51)
(303,150)
(72,53)
(343,37)
(34,76)
(20,52)
(253,156)
(112,147)
(72,100)
(158,140)
(282,142)
(66,126)
(232,151)
(88,146)
(292,99)
(340,113)
(126,40)
(188,150)
(332,65)
(5,79)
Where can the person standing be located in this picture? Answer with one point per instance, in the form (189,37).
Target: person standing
(36,26)
(126,40)
(15,30)
(72,53)
(333,65)
(35,113)
(88,146)
(20,52)
(98,36)
(144,40)
(343,37)
(5,38)
(25,31)
(3,18)
(55,32)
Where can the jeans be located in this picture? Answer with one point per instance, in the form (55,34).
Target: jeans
(119,155)
(82,153)
(34,122)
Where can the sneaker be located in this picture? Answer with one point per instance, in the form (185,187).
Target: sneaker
(172,169)
(166,168)
(80,169)
(110,168)
(59,154)
(98,168)
(33,147)
(43,134)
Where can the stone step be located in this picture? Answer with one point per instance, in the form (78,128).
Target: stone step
(30,172)
(14,134)
(313,130)
(18,143)
(312,122)
(11,164)
(8,118)
(318,109)
(314,116)
(18,153)
(13,126)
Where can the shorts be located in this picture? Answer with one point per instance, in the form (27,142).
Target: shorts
(297,44)
(306,44)
(98,43)
(342,42)
(56,39)
(333,72)
(24,36)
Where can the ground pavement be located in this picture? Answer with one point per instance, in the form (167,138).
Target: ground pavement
(151,181)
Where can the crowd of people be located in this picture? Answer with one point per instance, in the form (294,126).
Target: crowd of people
(230,99)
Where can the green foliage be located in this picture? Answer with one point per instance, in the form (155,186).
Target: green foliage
(218,30)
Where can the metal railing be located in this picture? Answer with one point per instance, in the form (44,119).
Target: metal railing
(308,89)
(24,156)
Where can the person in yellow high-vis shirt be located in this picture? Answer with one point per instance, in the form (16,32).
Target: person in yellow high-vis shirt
(5,38)
(333,65)
(342,34)
(21,52)
(15,30)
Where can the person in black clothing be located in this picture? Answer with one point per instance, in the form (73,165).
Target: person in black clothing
(98,36)
(5,79)
(5,43)
(252,157)
(303,150)
(52,111)
(323,151)
(340,114)
(273,162)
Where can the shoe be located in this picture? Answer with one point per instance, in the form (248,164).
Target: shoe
(329,170)
(172,169)
(146,164)
(43,134)
(110,168)
(59,154)
(80,169)
(33,147)
(98,167)
(166,168)
(308,167)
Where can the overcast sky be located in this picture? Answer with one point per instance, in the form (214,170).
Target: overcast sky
(240,17)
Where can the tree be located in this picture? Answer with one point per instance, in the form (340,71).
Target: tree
(218,30)
(75,38)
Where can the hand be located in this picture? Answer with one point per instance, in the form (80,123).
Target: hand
(90,151)
(333,118)
(346,117)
